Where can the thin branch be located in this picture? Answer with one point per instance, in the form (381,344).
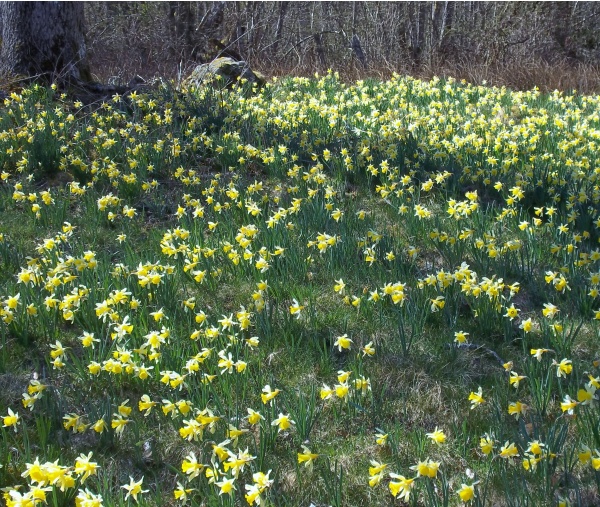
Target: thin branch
(311,36)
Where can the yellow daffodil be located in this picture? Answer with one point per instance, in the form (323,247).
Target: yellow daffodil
(11,420)
(134,488)
(460,337)
(515,379)
(400,486)
(564,368)
(283,422)
(343,342)
(307,457)
(84,467)
(268,394)
(486,444)
(381,438)
(254,417)
(508,451)
(466,492)
(226,486)
(476,398)
(437,436)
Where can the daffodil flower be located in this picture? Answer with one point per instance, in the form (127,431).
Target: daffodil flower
(476,399)
(307,457)
(296,308)
(254,417)
(568,405)
(437,436)
(268,394)
(460,337)
(400,486)
(191,467)
(12,419)
(564,368)
(427,468)
(134,488)
(84,467)
(343,342)
(486,444)
(509,451)
(283,422)
(515,379)
(381,438)
(226,486)
(466,492)
(181,493)
(537,353)
(517,409)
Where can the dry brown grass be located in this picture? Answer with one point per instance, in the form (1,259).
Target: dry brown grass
(547,77)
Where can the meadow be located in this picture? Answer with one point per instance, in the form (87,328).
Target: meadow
(314,293)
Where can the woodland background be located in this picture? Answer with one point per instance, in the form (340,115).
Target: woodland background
(518,44)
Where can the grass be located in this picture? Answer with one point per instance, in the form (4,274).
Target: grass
(318,293)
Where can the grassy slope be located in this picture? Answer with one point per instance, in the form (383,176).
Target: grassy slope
(419,380)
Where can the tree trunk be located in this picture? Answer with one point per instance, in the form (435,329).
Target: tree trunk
(44,40)
(283,7)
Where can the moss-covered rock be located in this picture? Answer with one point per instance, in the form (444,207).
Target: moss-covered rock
(229,71)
